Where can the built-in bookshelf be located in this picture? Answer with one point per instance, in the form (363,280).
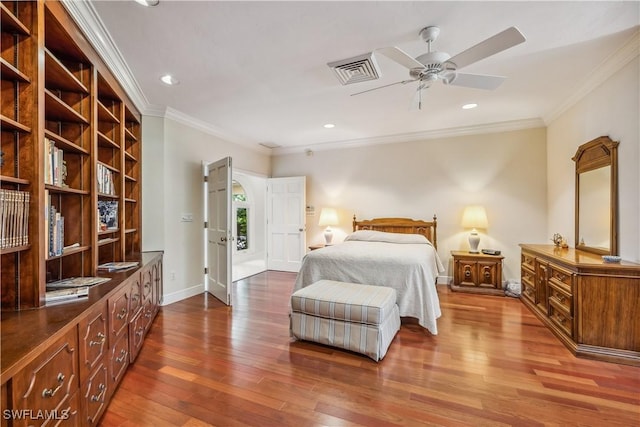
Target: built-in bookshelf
(70,146)
(21,274)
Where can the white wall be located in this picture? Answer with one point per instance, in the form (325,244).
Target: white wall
(610,109)
(182,189)
(505,172)
(153,183)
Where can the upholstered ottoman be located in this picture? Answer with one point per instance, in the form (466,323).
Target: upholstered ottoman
(359,318)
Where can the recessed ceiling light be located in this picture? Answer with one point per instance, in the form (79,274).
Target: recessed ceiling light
(329,126)
(148,2)
(168,79)
(469,106)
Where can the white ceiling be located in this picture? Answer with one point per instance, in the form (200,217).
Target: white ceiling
(256,72)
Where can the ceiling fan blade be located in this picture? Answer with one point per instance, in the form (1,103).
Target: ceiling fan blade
(403,82)
(476,81)
(501,41)
(399,56)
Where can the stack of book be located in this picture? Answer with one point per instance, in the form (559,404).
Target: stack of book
(71,289)
(14,218)
(55,228)
(54,166)
(118,266)
(105,180)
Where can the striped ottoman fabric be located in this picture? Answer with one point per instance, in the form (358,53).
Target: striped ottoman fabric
(355,317)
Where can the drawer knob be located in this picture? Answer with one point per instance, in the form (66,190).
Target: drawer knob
(122,314)
(98,397)
(123,355)
(50,392)
(562,299)
(99,341)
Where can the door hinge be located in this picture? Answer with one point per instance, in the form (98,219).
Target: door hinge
(206,224)
(206,178)
(206,270)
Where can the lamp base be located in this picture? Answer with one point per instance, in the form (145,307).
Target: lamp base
(474,241)
(328,236)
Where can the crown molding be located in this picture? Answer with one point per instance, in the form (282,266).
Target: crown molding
(208,128)
(416,136)
(611,65)
(86,16)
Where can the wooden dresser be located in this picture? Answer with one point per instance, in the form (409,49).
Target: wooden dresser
(591,306)
(64,362)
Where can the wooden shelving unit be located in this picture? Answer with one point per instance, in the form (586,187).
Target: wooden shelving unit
(65,121)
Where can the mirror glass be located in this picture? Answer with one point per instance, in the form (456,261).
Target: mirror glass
(595,209)
(597,196)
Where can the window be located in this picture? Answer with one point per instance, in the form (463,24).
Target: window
(241,208)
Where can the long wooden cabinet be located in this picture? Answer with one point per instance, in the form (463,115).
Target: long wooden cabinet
(74,355)
(591,306)
(71,156)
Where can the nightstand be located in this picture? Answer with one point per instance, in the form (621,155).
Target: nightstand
(314,247)
(477,273)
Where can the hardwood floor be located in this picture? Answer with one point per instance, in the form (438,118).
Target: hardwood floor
(492,364)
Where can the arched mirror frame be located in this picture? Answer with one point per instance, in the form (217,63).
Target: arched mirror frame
(596,154)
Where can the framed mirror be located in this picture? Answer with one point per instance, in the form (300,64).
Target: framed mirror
(597,196)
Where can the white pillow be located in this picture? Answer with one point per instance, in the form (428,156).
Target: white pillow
(381,236)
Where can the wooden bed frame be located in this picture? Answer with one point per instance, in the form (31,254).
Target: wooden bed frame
(400,225)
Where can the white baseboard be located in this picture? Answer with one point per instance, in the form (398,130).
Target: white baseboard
(443,280)
(182,294)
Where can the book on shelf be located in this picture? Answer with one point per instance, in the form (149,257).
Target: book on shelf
(107,215)
(55,169)
(76,282)
(118,266)
(54,228)
(56,296)
(106,184)
(14,218)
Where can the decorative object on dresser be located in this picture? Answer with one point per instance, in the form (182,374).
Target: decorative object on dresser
(328,217)
(474,217)
(477,273)
(596,196)
(590,305)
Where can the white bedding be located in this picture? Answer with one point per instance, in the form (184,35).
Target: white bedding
(407,263)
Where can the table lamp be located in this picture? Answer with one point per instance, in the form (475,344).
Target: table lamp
(328,217)
(474,217)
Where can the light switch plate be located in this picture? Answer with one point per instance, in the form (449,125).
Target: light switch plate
(186,217)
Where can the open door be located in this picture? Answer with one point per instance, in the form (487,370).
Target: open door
(218,273)
(286,223)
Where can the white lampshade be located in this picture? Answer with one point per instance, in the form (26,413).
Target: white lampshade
(328,217)
(474,217)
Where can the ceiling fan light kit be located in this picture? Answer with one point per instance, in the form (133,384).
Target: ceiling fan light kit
(433,65)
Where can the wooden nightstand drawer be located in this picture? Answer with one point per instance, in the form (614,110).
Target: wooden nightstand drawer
(477,273)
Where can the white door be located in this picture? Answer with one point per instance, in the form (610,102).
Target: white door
(286,203)
(218,232)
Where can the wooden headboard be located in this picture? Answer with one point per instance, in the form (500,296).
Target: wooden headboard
(400,225)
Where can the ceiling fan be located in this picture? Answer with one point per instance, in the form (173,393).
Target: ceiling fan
(433,65)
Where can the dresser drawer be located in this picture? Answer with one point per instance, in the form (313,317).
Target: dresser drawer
(526,259)
(94,396)
(93,345)
(561,278)
(561,297)
(119,313)
(118,360)
(49,382)
(560,317)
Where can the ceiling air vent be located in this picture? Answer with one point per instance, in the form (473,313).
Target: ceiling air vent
(270,145)
(357,69)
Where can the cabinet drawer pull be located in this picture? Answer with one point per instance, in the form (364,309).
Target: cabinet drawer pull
(148,314)
(122,314)
(123,355)
(562,299)
(50,392)
(98,397)
(135,297)
(100,340)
